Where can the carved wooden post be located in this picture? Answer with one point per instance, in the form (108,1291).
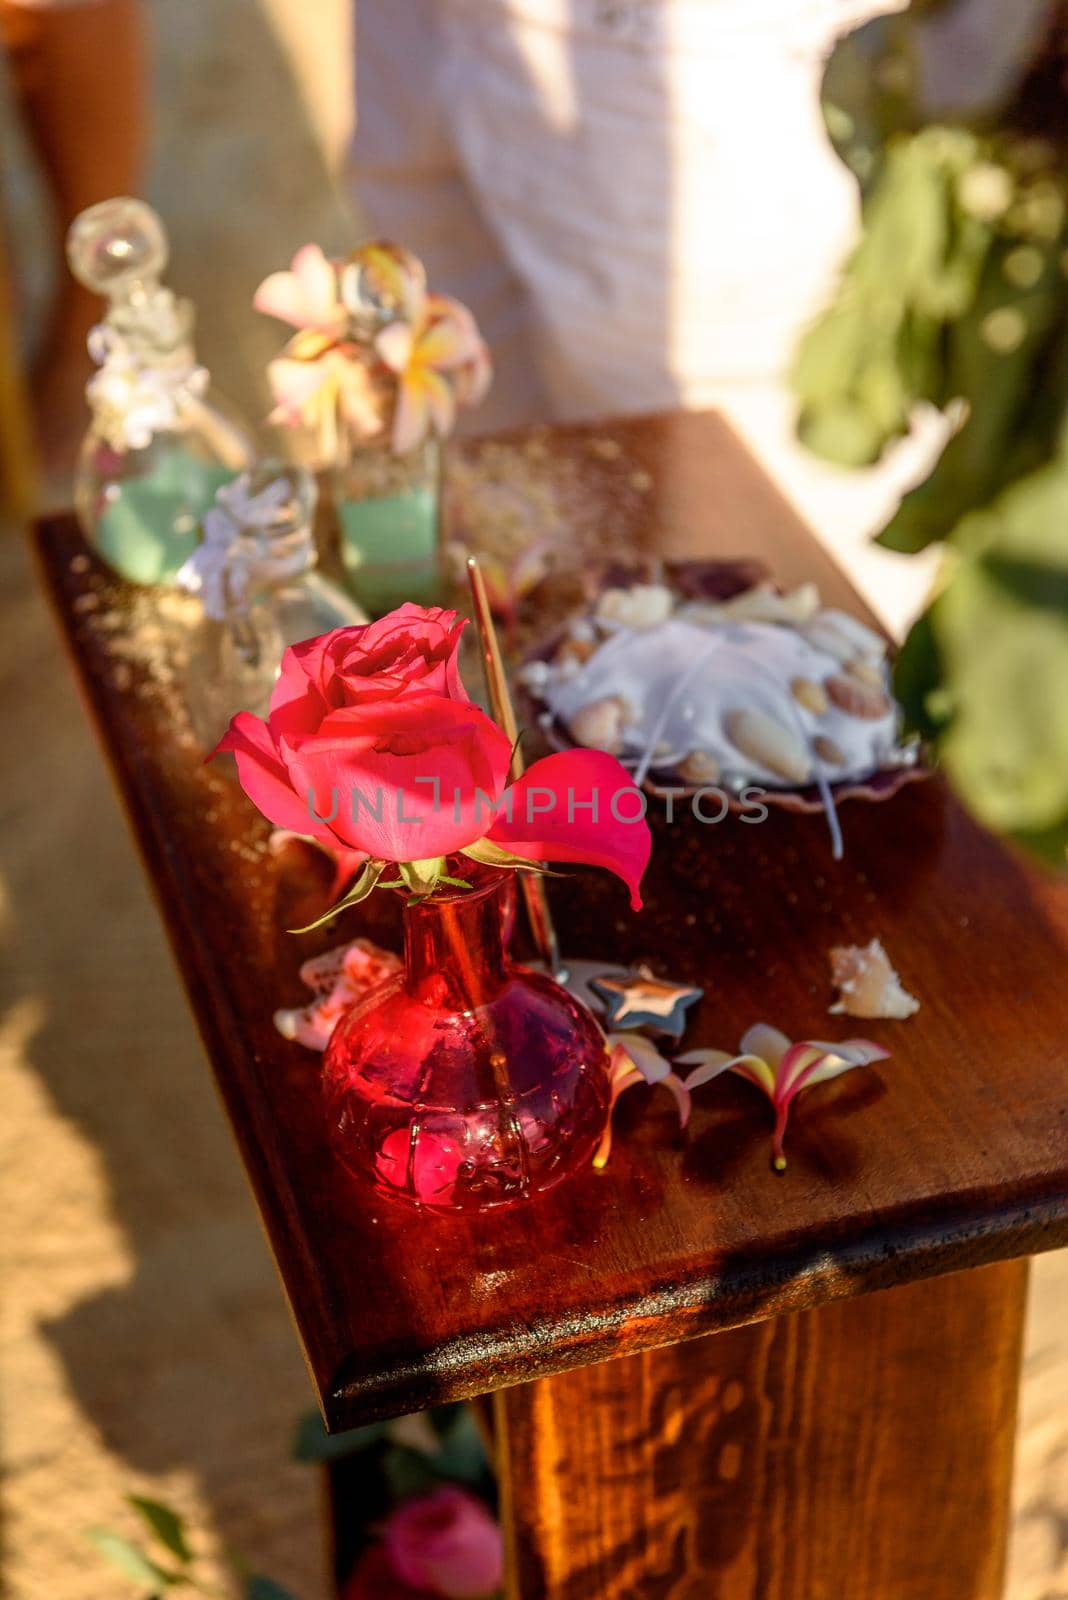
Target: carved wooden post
(861,1451)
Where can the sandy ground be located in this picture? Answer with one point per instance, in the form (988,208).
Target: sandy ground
(145,1344)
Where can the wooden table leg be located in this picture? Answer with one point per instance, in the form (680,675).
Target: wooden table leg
(861,1451)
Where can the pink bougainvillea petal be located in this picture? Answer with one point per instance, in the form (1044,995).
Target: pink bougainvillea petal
(562,810)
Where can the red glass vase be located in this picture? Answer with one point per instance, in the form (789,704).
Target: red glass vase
(467,1082)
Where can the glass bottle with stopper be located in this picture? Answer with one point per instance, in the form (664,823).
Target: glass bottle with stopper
(160,442)
(255,573)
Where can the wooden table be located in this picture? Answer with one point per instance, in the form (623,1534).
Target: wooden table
(847,1433)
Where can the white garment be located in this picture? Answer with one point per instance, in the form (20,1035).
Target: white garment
(637,199)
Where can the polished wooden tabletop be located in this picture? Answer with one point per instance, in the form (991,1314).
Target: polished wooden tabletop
(952,1153)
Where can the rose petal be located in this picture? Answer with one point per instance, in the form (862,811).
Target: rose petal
(552,820)
(265,778)
(412,778)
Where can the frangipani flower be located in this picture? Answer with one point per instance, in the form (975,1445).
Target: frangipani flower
(781,1069)
(307,296)
(325,387)
(635,1059)
(371,345)
(439,361)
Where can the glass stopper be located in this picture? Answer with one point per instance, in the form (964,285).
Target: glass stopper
(381,281)
(117,246)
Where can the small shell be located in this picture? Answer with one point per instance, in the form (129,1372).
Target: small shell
(599,725)
(857,699)
(868,984)
(764,603)
(534,675)
(865,672)
(642,606)
(811,695)
(579,650)
(828,751)
(768,743)
(699,767)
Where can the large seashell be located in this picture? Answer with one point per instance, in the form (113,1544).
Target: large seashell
(811,695)
(857,699)
(599,725)
(768,743)
(868,984)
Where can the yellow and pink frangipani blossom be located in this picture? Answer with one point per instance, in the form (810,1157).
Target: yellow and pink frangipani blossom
(324,388)
(373,348)
(306,296)
(439,361)
(635,1059)
(782,1070)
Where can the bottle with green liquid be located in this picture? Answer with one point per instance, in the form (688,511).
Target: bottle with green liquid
(160,442)
(388,509)
(388,503)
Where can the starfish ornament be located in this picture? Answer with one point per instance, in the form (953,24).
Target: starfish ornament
(640,1000)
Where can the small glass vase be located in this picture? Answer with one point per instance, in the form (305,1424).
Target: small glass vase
(389,510)
(260,590)
(467,1083)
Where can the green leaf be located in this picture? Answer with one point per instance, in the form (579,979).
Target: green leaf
(1048,845)
(918,680)
(165,1523)
(462,1456)
(1035,582)
(261,1588)
(364,885)
(311,1442)
(129,1558)
(409,1472)
(495,855)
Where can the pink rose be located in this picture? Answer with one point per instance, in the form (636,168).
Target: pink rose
(372,745)
(446,1543)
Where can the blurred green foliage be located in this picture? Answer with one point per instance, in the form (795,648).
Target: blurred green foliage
(177,1567)
(957,294)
